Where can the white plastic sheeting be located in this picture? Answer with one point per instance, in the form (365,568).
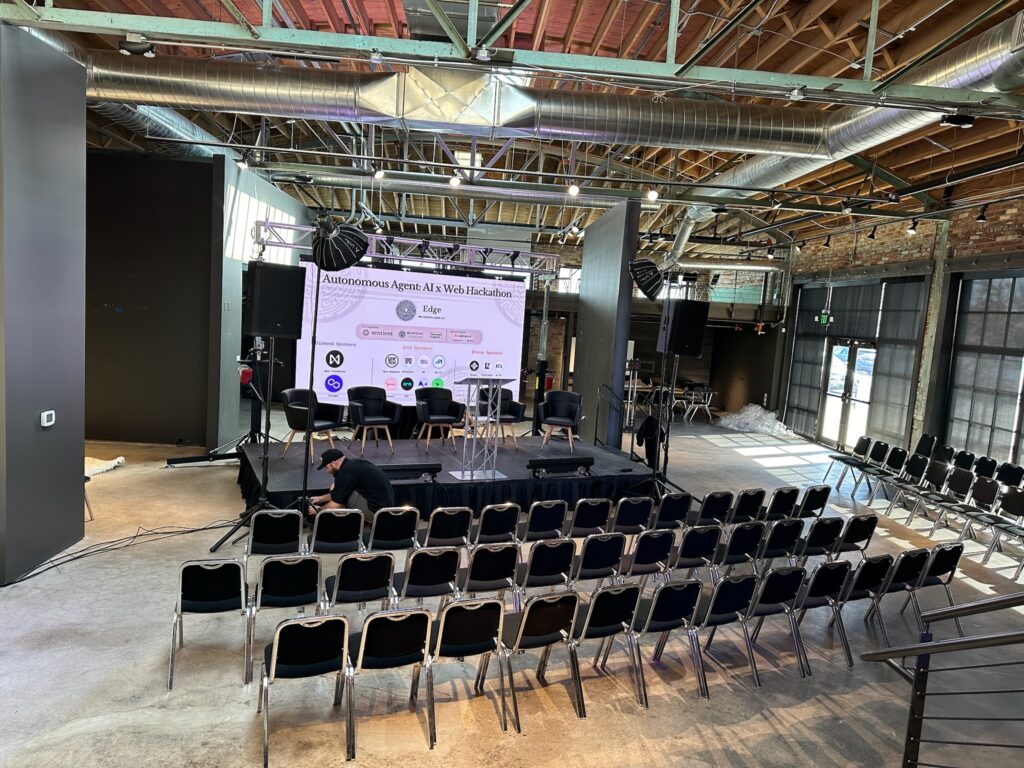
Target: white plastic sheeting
(754,418)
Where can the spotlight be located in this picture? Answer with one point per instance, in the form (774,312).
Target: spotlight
(828,242)
(483,54)
(243,163)
(797,94)
(379,230)
(912,229)
(957,121)
(376,57)
(423,246)
(981,214)
(573,189)
(379,173)
(561,240)
(771,253)
(574,230)
(652,195)
(797,247)
(455,180)
(847,206)
(719,209)
(484,254)
(873,232)
(136,45)
(514,257)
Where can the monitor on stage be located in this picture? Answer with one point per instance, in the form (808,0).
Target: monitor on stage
(403,330)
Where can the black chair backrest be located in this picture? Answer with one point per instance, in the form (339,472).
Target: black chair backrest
(275,531)
(551,557)
(432,567)
(394,527)
(860,448)
(959,482)
(780,586)
(364,572)
(394,639)
(896,459)
(745,538)
(915,468)
(782,502)
(715,508)
(1011,503)
(984,492)
(698,545)
(449,526)
(733,595)
(860,529)
(211,586)
(602,550)
(493,562)
(436,400)
(825,532)
(673,510)
(1010,474)
(653,547)
(561,404)
(782,536)
(296,404)
(547,517)
(943,453)
(878,452)
(910,564)
(288,581)
(545,618)
(985,466)
(828,579)
(871,573)
(371,398)
(499,520)
(632,514)
(944,560)
(963,460)
(925,444)
(673,602)
(590,514)
(468,628)
(505,400)
(748,504)
(336,527)
(814,500)
(936,474)
(309,646)
(610,608)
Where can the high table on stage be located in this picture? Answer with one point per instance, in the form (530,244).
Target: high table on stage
(480,452)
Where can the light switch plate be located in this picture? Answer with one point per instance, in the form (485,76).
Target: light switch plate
(47,418)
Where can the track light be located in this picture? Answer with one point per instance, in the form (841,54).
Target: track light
(957,121)
(912,229)
(873,232)
(797,94)
(797,247)
(136,45)
(574,189)
(574,230)
(847,205)
(514,257)
(378,174)
(981,214)
(379,230)
(719,209)
(376,57)
(455,180)
(652,195)
(828,242)
(771,253)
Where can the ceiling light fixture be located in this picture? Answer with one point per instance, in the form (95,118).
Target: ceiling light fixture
(483,54)
(136,45)
(652,194)
(574,189)
(981,214)
(873,232)
(243,162)
(957,121)
(454,180)
(797,94)
(847,205)
(379,173)
(912,229)
(828,242)
(771,253)
(379,230)
(574,230)
(376,57)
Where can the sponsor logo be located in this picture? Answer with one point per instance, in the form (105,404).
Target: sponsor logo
(391,361)
(334,359)
(407,384)
(438,361)
(405,310)
(390,384)
(474,365)
(408,361)
(424,362)
(438,383)
(333,383)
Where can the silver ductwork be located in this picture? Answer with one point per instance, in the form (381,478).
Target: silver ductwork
(993,61)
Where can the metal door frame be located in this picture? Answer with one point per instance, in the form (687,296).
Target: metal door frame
(851,366)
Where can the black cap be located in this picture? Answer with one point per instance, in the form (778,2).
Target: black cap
(331,454)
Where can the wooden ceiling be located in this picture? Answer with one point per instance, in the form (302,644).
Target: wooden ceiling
(821,37)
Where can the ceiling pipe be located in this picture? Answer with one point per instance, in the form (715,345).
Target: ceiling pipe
(992,61)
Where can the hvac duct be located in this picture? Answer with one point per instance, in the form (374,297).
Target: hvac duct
(992,61)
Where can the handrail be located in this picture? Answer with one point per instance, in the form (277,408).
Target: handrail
(946,646)
(973,608)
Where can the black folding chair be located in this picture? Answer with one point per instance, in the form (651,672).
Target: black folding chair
(610,612)
(360,578)
(933,481)
(1010,475)
(857,534)
(589,516)
(714,509)
(855,457)
(904,576)
(1011,513)
(890,470)
(825,587)
(492,568)
(498,523)
(274,532)
(545,520)
(956,490)
(741,547)
(939,572)
(468,628)
(748,505)
(963,460)
(943,453)
(430,572)
(447,527)
(600,557)
(866,584)
(673,511)
(548,565)
(985,466)
(925,444)
(651,554)
(813,503)
(781,539)
(780,505)
(908,481)
(337,531)
(632,515)
(777,593)
(393,528)
(978,507)
(672,606)
(303,648)
(391,640)
(546,621)
(822,538)
(729,603)
(697,548)
(875,458)
(208,586)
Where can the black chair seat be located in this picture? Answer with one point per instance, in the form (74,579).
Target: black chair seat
(212,606)
(479,585)
(814,602)
(711,619)
(284,548)
(932,581)
(490,538)
(559,421)
(322,425)
(626,567)
(763,515)
(983,517)
(417,590)
(770,609)
(458,650)
(438,541)
(590,573)
(302,670)
(334,547)
(593,632)
(906,487)
(438,419)
(805,551)
(1011,528)
(379,421)
(582,533)
(643,610)
(877,472)
(535,579)
(354,595)
(849,461)
(510,630)
(381,662)
(859,594)
(524,535)
(380,543)
(289,601)
(508,418)
(732,559)
(935,497)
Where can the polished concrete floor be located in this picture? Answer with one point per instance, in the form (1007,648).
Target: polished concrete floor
(83,659)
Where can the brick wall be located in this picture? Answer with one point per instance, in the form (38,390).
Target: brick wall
(556,344)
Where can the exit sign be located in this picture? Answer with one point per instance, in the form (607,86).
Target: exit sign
(825,317)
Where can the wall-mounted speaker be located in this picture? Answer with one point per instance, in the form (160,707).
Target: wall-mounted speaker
(273,300)
(683,322)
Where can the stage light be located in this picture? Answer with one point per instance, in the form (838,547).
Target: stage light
(797,247)
(573,189)
(981,214)
(243,163)
(483,54)
(455,180)
(136,45)
(514,257)
(379,173)
(912,229)
(423,246)
(648,277)
(771,253)
(719,209)
(828,242)
(872,234)
(652,195)
(376,57)
(379,230)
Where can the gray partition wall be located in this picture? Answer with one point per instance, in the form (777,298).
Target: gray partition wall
(604,303)
(42,301)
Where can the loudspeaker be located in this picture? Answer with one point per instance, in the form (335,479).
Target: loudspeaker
(683,322)
(273,300)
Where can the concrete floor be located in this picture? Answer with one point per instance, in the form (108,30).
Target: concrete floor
(83,659)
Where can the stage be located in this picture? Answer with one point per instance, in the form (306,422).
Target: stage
(613,475)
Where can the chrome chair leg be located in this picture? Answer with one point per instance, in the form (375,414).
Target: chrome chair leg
(956,620)
(415,689)
(837,618)
(750,655)
(174,638)
(698,664)
(350,715)
(574,668)
(659,648)
(512,692)
(638,660)
(431,721)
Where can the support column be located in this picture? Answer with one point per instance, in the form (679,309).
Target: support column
(940,311)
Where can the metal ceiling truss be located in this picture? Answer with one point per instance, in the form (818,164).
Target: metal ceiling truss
(408,251)
(657,74)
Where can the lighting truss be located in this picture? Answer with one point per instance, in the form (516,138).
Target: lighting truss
(410,251)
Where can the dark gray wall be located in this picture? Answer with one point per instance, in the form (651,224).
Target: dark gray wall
(604,304)
(42,300)
(743,368)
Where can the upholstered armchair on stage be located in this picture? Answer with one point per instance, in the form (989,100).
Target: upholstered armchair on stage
(369,408)
(510,411)
(325,416)
(435,408)
(560,410)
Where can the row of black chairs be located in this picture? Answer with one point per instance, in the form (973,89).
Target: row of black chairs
(393,638)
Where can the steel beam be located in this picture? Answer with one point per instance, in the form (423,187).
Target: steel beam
(949,179)
(172,31)
(503,23)
(724,31)
(449,26)
(673,31)
(869,48)
(238,16)
(901,185)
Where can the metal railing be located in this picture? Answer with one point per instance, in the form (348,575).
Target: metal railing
(925,649)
